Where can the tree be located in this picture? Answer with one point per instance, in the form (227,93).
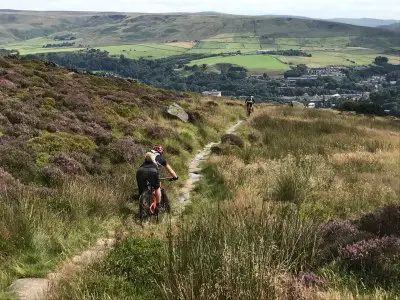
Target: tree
(381,60)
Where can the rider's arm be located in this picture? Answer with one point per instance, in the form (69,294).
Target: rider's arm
(171,171)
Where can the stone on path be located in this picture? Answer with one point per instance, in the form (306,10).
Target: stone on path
(30,288)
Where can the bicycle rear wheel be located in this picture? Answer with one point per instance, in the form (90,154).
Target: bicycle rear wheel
(145,200)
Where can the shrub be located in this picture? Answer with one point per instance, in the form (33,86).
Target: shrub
(125,150)
(232,140)
(334,235)
(377,258)
(159,132)
(253,138)
(61,142)
(383,222)
(217,150)
(52,175)
(67,164)
(18,162)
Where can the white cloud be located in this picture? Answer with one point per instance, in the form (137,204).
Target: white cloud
(387,9)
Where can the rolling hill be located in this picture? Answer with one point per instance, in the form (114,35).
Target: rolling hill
(369,22)
(393,27)
(97,29)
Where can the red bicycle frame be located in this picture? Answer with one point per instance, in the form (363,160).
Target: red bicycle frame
(154,202)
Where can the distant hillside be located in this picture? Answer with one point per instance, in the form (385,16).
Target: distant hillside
(98,29)
(394,27)
(368,22)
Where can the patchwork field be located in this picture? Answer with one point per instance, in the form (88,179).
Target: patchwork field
(325,51)
(250,62)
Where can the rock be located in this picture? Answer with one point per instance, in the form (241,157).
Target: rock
(178,112)
(7,83)
(30,288)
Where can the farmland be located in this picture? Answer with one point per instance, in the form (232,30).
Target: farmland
(159,36)
(250,62)
(321,49)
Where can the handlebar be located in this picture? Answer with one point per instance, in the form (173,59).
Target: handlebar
(169,179)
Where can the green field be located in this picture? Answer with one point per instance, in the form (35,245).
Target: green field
(322,58)
(255,63)
(34,46)
(325,51)
(144,50)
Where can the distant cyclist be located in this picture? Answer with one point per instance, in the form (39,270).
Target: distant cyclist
(148,172)
(249,103)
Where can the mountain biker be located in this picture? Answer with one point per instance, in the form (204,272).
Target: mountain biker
(149,171)
(249,102)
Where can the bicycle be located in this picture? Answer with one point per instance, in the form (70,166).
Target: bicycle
(148,202)
(249,109)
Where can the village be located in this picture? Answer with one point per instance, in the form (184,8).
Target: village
(304,90)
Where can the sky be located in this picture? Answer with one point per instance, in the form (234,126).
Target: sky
(381,9)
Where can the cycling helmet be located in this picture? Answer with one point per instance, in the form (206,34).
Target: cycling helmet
(159,149)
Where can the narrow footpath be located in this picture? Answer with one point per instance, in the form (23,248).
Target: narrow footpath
(38,288)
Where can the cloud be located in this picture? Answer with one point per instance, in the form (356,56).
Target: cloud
(388,9)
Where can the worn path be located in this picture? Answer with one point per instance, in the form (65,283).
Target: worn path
(37,288)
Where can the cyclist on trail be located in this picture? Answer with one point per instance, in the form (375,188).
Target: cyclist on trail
(249,102)
(149,171)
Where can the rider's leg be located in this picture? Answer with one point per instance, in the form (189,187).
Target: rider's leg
(158,195)
(141,180)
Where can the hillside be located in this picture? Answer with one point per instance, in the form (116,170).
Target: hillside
(393,27)
(369,22)
(69,147)
(297,204)
(96,29)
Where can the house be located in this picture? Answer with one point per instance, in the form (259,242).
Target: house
(213,93)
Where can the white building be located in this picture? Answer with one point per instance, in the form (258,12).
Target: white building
(213,93)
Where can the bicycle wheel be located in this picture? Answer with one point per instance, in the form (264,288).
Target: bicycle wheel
(144,205)
(165,201)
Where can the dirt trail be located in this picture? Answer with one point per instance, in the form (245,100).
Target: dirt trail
(38,288)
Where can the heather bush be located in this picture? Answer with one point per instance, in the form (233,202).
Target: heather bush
(67,164)
(378,259)
(383,222)
(334,235)
(52,175)
(125,150)
(18,161)
(232,140)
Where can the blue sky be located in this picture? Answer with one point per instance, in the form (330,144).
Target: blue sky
(383,9)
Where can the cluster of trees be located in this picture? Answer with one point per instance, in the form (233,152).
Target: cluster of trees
(232,80)
(60,45)
(381,68)
(66,37)
(368,108)
(296,71)
(290,52)
(8,52)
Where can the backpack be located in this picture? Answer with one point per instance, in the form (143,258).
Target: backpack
(151,156)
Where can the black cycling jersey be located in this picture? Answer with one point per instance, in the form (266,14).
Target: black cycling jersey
(148,172)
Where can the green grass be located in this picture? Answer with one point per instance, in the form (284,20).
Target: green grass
(250,62)
(243,238)
(135,51)
(345,58)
